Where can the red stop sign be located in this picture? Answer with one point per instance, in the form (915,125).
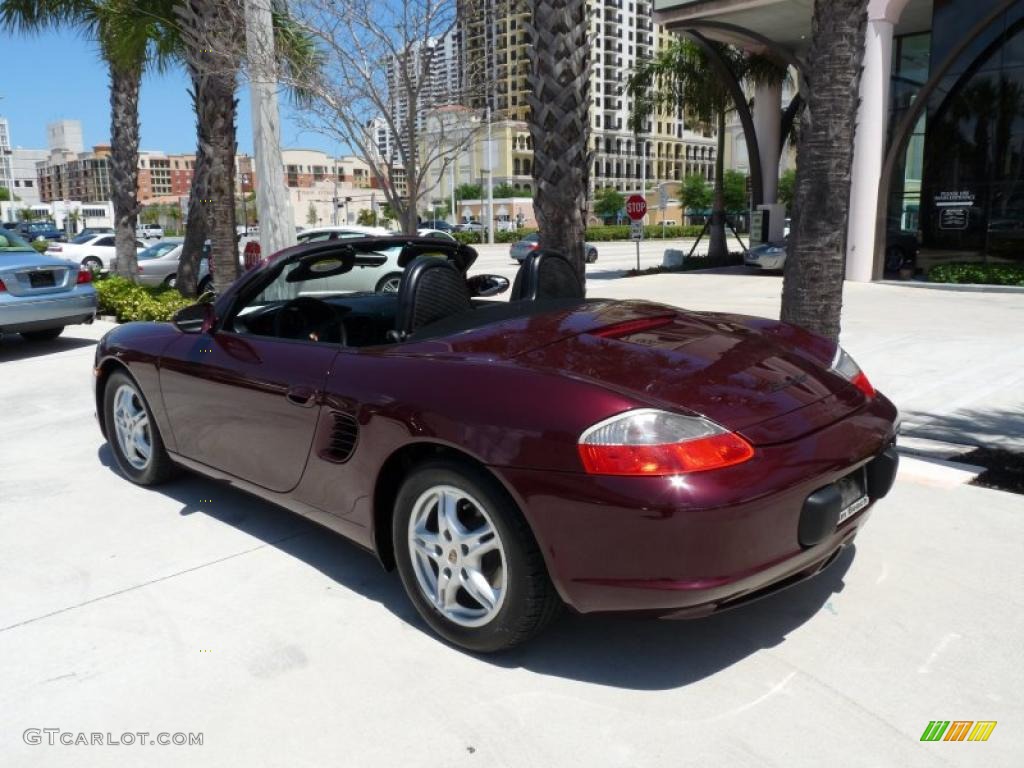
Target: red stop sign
(636,207)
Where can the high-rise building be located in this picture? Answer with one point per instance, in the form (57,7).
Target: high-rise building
(6,160)
(433,72)
(622,35)
(65,135)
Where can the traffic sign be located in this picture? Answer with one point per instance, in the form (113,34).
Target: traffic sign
(636,207)
(636,231)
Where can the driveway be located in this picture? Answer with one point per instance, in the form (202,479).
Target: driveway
(194,608)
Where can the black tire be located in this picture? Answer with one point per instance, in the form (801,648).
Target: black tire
(530,601)
(48,335)
(171,281)
(894,258)
(382,284)
(92,264)
(206,286)
(592,256)
(160,468)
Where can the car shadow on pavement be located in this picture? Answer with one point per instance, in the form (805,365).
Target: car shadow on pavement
(968,427)
(616,651)
(13,347)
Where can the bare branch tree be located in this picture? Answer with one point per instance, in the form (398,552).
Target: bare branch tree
(378,68)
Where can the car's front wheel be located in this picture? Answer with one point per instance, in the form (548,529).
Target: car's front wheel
(390,283)
(132,432)
(206,286)
(592,256)
(92,264)
(468,560)
(48,335)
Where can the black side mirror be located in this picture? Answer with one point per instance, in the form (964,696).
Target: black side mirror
(482,286)
(197,318)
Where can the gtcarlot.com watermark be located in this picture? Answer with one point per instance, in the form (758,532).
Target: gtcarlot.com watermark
(57,736)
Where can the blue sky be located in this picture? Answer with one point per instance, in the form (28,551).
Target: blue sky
(58,75)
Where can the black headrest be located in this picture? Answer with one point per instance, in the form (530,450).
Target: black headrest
(432,289)
(546,274)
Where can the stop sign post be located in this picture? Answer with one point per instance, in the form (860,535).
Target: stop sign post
(636,209)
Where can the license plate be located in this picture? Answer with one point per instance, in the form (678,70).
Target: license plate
(853,494)
(41,279)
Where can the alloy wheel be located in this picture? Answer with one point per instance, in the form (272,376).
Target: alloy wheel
(131,423)
(457,556)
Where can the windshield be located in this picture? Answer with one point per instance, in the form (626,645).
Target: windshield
(83,239)
(12,241)
(158,250)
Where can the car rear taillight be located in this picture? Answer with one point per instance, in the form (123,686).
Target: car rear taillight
(84,276)
(653,443)
(2,286)
(847,367)
(53,248)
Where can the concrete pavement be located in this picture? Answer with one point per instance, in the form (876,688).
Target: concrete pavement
(195,608)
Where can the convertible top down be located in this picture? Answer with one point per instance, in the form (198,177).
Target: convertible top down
(510,457)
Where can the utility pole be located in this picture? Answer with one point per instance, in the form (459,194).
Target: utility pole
(277,221)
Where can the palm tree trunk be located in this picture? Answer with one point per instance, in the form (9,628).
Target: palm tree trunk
(812,290)
(197,224)
(559,124)
(717,246)
(213,36)
(125,83)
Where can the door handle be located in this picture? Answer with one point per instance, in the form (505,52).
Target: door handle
(303,397)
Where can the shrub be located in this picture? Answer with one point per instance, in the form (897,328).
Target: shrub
(128,301)
(982,274)
(40,245)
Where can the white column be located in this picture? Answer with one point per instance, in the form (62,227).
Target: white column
(768,129)
(870,139)
(277,221)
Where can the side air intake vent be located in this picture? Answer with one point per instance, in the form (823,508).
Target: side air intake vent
(342,438)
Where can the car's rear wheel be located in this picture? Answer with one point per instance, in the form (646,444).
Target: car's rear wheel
(389,283)
(171,281)
(48,335)
(591,255)
(132,432)
(468,560)
(92,264)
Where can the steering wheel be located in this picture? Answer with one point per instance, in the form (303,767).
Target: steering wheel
(308,318)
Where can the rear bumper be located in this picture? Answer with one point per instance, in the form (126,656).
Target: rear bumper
(696,544)
(36,314)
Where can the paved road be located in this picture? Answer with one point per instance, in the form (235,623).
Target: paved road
(614,258)
(195,608)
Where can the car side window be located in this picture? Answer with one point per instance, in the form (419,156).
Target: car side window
(105,242)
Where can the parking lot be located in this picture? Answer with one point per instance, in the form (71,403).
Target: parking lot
(195,608)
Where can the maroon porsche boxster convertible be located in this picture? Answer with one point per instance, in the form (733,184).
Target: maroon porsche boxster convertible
(510,457)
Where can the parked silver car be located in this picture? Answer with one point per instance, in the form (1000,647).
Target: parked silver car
(158,264)
(523,248)
(39,293)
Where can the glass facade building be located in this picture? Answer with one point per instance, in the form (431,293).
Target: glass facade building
(961,183)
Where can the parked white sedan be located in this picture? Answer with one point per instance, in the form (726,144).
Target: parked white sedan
(95,252)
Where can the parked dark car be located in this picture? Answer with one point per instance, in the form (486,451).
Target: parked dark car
(440,224)
(678,463)
(33,230)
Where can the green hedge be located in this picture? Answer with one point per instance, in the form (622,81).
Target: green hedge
(982,274)
(128,301)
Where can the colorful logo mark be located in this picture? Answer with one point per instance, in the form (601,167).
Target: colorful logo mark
(958,730)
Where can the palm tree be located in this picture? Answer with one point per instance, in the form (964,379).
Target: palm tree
(208,37)
(681,78)
(559,98)
(212,37)
(812,289)
(123,30)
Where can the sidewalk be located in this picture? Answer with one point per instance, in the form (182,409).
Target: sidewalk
(953,361)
